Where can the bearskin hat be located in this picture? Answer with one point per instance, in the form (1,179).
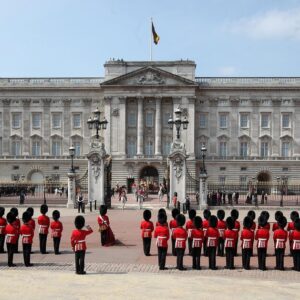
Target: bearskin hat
(79,222)
(221,214)
(230,223)
(213,221)
(251,214)
(26,217)
(103,210)
(15,211)
(297,224)
(2,211)
(31,211)
(247,222)
(278,215)
(147,215)
(282,222)
(10,217)
(56,215)
(234,214)
(206,214)
(294,215)
(265,214)
(262,222)
(175,212)
(162,218)
(44,209)
(162,210)
(198,222)
(180,220)
(192,214)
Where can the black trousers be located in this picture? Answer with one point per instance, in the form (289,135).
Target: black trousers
(2,239)
(279,253)
(246,255)
(26,254)
(196,253)
(235,248)
(205,247)
(43,243)
(80,207)
(11,249)
(230,257)
(221,247)
(211,252)
(162,254)
(17,245)
(296,259)
(103,237)
(190,242)
(173,247)
(180,255)
(147,245)
(79,261)
(261,255)
(56,242)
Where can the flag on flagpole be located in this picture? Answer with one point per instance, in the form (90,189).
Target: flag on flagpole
(155,35)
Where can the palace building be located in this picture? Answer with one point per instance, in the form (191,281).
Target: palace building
(249,125)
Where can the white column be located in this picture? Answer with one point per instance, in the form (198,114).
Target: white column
(107,133)
(158,126)
(140,129)
(203,191)
(71,190)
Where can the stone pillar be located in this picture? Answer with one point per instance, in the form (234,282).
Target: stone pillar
(158,126)
(67,125)
(140,129)
(46,127)
(6,129)
(71,190)
(203,191)
(107,114)
(26,126)
(122,127)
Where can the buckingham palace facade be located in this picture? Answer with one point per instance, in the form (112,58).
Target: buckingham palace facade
(250,126)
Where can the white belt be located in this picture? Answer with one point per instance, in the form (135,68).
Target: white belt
(81,241)
(26,234)
(235,229)
(180,239)
(197,239)
(10,235)
(44,226)
(2,226)
(147,229)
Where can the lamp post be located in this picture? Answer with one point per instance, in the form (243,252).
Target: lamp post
(96,123)
(178,121)
(278,182)
(45,185)
(72,154)
(203,154)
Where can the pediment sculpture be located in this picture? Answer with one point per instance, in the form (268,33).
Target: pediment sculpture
(150,78)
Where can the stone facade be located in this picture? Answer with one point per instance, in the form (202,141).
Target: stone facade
(250,126)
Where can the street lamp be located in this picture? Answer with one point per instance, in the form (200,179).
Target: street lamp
(178,121)
(96,123)
(278,181)
(203,154)
(72,154)
(45,185)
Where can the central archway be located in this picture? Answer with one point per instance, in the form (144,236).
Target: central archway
(149,177)
(263,182)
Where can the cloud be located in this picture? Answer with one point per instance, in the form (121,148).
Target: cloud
(227,71)
(271,24)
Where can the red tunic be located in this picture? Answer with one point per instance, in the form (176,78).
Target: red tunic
(290,229)
(173,224)
(161,233)
(180,236)
(212,235)
(197,236)
(221,228)
(280,237)
(262,236)
(189,226)
(147,228)
(78,239)
(56,228)
(295,240)
(230,237)
(267,226)
(247,237)
(3,224)
(44,223)
(237,226)
(31,223)
(12,234)
(103,220)
(253,227)
(17,224)
(158,224)
(275,226)
(205,225)
(27,233)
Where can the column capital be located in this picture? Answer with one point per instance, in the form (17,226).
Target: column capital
(122,99)
(26,101)
(67,101)
(6,101)
(108,99)
(46,101)
(192,99)
(87,101)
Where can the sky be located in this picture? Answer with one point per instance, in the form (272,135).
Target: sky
(74,38)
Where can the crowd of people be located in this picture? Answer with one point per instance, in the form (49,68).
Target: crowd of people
(215,236)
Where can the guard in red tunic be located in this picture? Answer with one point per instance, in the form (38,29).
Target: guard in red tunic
(147,229)
(17,225)
(197,240)
(247,238)
(278,215)
(107,235)
(162,211)
(44,223)
(173,225)
(280,237)
(180,236)
(27,235)
(262,236)
(237,226)
(11,238)
(56,231)
(221,228)
(291,227)
(266,215)
(78,243)
(189,226)
(205,224)
(212,237)
(161,233)
(31,222)
(230,238)
(251,214)
(295,238)
(2,229)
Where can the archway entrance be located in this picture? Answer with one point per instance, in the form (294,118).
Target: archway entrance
(37,181)
(263,182)
(149,178)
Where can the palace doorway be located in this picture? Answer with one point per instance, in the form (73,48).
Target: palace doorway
(263,183)
(149,179)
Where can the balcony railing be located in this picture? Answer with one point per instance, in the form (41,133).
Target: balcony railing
(233,157)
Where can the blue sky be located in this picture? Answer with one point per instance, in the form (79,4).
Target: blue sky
(47,38)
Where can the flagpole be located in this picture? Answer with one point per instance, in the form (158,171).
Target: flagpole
(151,39)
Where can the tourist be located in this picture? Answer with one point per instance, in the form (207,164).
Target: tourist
(147,229)
(80,203)
(180,236)
(247,237)
(197,240)
(44,223)
(27,235)
(160,192)
(123,199)
(56,230)
(212,236)
(107,236)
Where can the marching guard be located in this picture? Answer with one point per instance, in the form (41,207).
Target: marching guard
(280,237)
(230,237)
(295,238)
(189,226)
(247,238)
(262,236)
(3,224)
(180,236)
(173,224)
(147,229)
(56,230)
(44,223)
(11,238)
(197,240)
(221,228)
(26,231)
(212,237)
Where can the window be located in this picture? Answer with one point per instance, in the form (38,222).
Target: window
(77,146)
(243,168)
(56,147)
(264,149)
(56,120)
(15,167)
(222,168)
(244,120)
(16,120)
(265,121)
(285,169)
(55,167)
(223,149)
(36,148)
(202,121)
(222,180)
(149,148)
(149,119)
(243,180)
(286,121)
(131,148)
(132,119)
(243,149)
(223,120)
(16,148)
(36,120)
(166,147)
(76,120)
(285,149)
